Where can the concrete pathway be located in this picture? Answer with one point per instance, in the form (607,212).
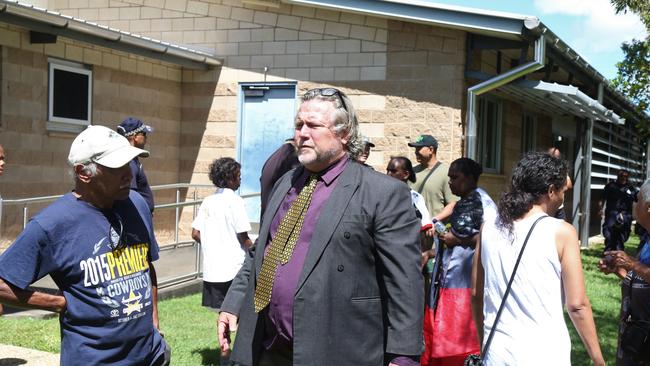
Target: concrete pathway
(18,356)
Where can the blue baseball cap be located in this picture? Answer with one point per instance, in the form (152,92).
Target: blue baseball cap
(132,126)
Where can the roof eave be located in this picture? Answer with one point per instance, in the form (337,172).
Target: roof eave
(44,21)
(561,47)
(502,25)
(488,23)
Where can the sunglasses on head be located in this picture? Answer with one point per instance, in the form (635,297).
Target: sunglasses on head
(327,92)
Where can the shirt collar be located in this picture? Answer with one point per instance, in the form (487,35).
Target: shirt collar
(332,172)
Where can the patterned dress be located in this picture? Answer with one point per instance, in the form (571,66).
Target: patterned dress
(449,330)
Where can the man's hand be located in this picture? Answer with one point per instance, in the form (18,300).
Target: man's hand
(426,255)
(450,239)
(63,304)
(609,263)
(227,323)
(619,259)
(429,233)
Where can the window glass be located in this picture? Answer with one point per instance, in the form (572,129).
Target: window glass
(70,91)
(528,132)
(489,134)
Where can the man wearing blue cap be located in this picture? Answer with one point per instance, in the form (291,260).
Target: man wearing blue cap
(136,132)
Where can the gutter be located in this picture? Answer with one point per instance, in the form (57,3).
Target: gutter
(493,83)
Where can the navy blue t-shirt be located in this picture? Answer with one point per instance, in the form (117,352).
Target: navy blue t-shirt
(140,183)
(102,270)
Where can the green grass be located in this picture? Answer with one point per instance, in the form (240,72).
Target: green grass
(190,329)
(37,334)
(604,293)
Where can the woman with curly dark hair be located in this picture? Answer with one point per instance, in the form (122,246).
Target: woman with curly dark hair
(221,227)
(531,328)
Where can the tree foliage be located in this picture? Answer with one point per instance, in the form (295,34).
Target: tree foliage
(633,79)
(640,7)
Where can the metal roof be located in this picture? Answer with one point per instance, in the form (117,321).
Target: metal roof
(557,97)
(473,20)
(46,21)
(479,21)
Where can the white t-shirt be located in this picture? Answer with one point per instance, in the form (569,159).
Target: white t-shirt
(221,216)
(420,204)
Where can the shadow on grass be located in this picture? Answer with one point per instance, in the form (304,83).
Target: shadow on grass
(209,356)
(12,361)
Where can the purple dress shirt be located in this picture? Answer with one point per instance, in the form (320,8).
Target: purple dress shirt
(279,314)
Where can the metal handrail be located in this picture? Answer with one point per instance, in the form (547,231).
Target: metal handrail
(196,273)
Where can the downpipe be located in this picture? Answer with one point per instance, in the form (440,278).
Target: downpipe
(493,83)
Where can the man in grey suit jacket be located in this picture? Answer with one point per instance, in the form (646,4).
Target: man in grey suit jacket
(351,292)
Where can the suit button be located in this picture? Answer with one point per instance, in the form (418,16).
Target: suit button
(347,235)
(340,268)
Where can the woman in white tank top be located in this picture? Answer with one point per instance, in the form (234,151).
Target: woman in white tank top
(531,329)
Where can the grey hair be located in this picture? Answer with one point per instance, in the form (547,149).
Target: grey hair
(345,120)
(90,168)
(645,191)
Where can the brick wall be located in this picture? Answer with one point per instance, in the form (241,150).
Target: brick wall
(123,85)
(404,79)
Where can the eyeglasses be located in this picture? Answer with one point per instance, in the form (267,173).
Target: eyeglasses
(326,92)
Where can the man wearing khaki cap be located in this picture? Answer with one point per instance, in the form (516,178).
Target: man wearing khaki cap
(97,244)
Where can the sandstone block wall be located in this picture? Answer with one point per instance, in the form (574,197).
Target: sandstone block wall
(404,79)
(123,85)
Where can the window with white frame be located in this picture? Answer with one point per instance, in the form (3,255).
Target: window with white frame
(69,93)
(528,132)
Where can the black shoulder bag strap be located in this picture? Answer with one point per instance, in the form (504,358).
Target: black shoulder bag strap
(427,177)
(505,295)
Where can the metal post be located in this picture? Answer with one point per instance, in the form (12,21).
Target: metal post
(471,126)
(0,216)
(586,184)
(178,199)
(25,213)
(576,205)
(194,206)
(647,169)
(197,247)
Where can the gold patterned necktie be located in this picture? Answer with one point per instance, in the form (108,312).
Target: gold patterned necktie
(282,245)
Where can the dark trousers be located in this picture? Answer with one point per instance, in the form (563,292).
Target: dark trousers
(276,357)
(616,230)
(165,358)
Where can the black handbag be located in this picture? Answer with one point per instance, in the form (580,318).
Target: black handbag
(635,340)
(477,360)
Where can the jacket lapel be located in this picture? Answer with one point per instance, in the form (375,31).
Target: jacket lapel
(330,217)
